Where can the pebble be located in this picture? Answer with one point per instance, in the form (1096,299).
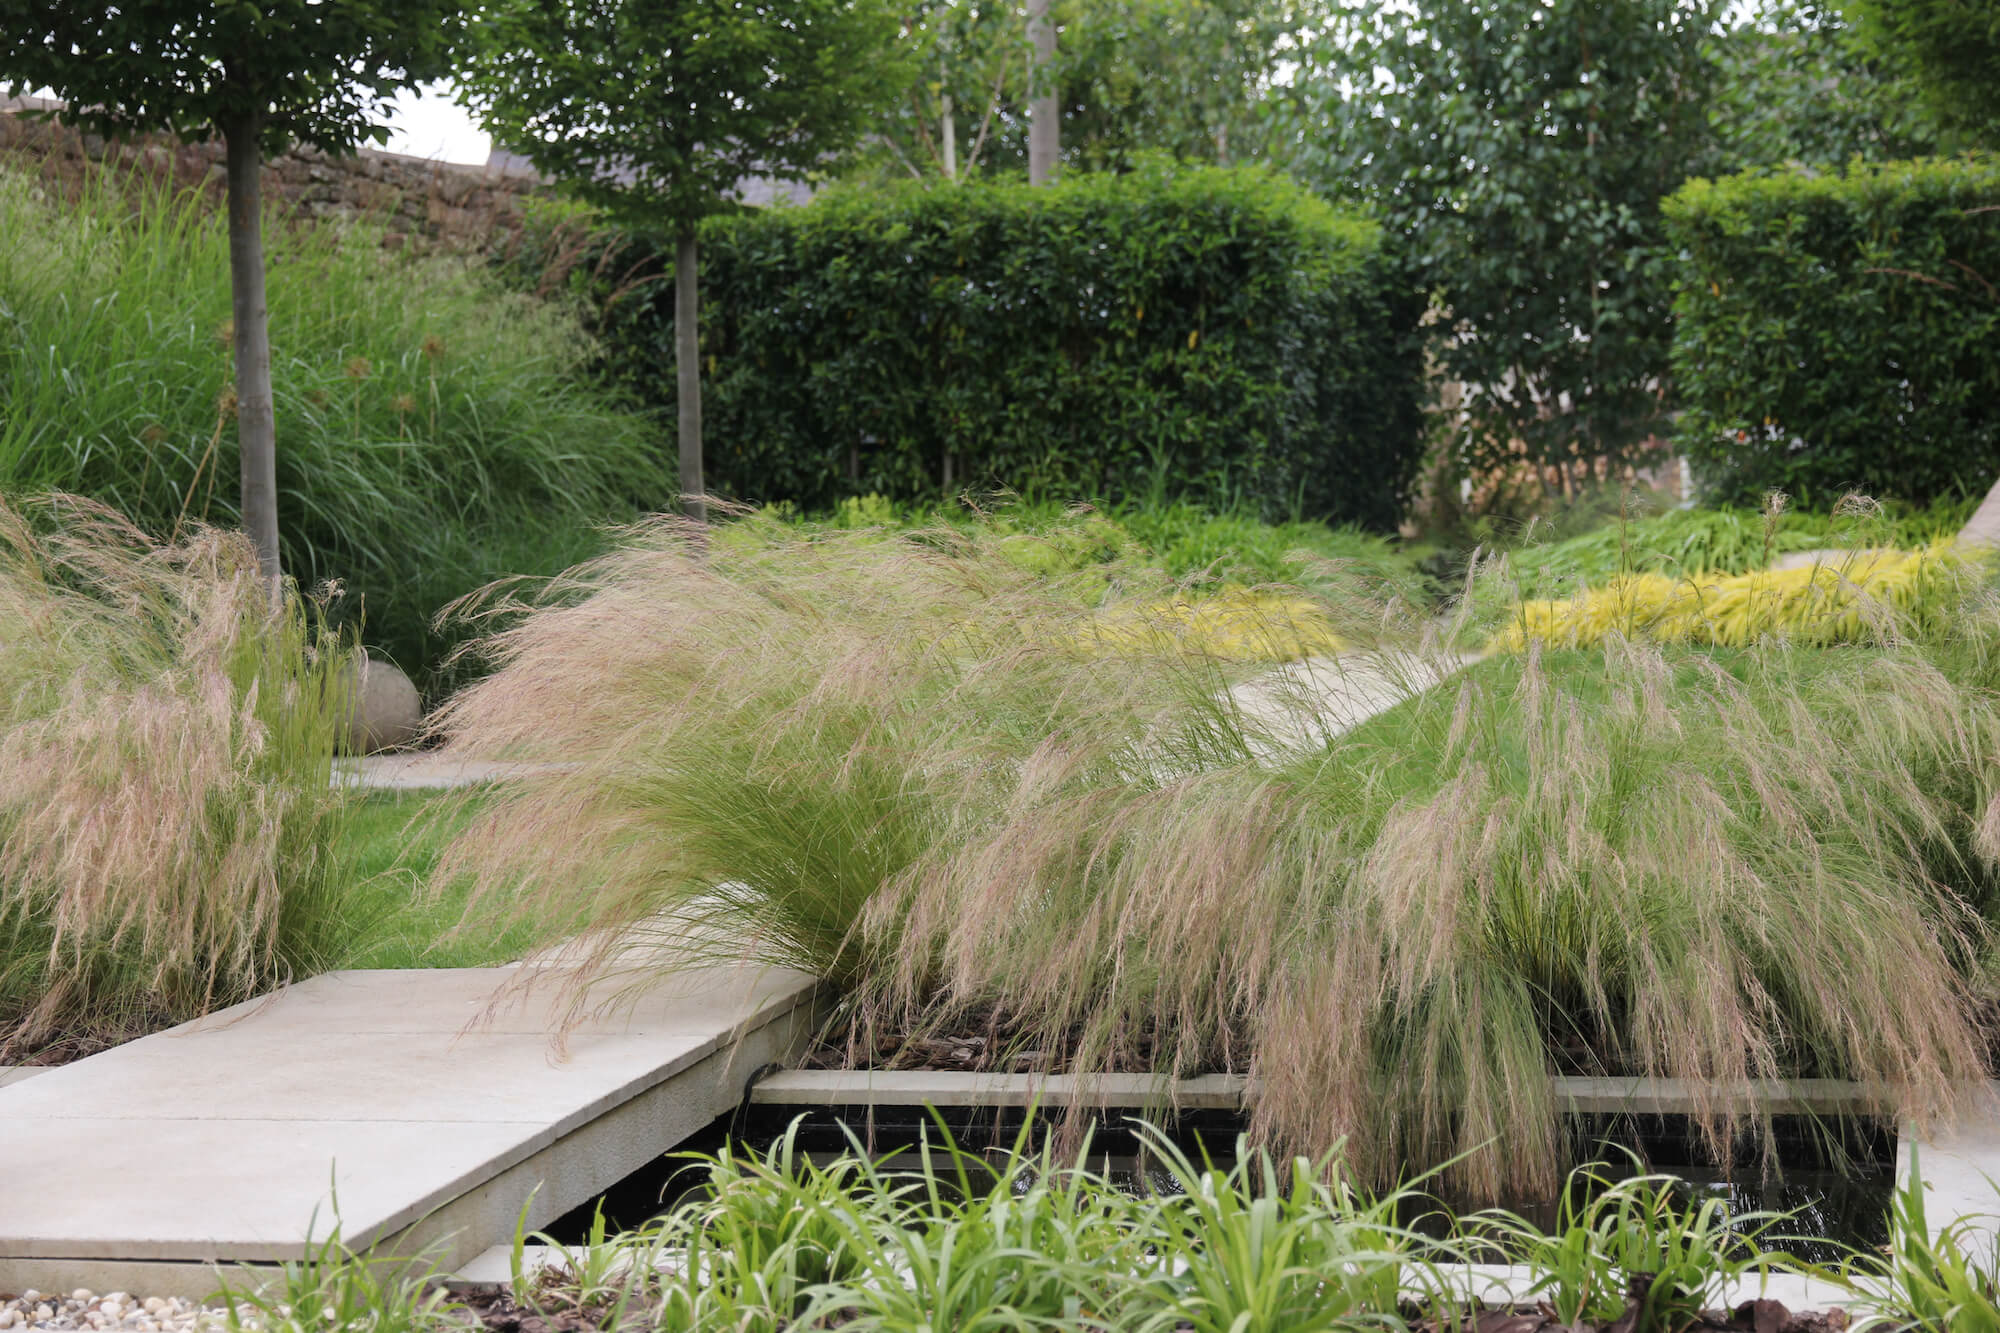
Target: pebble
(113,1312)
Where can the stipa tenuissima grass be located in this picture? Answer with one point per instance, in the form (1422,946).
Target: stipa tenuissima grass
(889,763)
(167,736)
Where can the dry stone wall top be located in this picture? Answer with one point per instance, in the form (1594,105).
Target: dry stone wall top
(415,200)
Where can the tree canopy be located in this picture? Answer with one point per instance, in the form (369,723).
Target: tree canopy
(656,110)
(1522,147)
(1951,50)
(321,74)
(1186,78)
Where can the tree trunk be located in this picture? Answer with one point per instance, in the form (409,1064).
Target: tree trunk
(256,427)
(950,128)
(1044,110)
(687,368)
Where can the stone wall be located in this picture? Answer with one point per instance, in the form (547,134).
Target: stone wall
(416,201)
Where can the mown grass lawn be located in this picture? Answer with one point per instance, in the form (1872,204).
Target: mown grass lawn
(391,917)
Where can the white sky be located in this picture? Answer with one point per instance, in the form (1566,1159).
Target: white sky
(430,124)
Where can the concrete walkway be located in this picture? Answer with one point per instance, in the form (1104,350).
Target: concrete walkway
(1302,706)
(223,1140)
(425,770)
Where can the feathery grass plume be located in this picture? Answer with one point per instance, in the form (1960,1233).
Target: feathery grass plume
(757,736)
(882,758)
(167,738)
(1708,867)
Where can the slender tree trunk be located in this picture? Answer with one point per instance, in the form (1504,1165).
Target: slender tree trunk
(256,427)
(687,368)
(950,128)
(1044,110)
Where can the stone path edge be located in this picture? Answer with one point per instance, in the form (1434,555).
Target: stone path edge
(1229,1092)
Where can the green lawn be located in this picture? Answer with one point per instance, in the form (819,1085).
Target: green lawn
(390,842)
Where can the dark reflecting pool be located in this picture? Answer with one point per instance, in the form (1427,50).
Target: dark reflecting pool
(1834,1178)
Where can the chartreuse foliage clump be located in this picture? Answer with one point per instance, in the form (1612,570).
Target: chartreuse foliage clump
(898,761)
(434,434)
(1720,540)
(1215,333)
(1836,332)
(1834,599)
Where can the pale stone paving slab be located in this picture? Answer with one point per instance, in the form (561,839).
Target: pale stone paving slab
(227,1138)
(1305,705)
(423,770)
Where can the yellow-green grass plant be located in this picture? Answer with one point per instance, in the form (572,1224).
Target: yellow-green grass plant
(886,762)
(1625,1244)
(1716,541)
(167,735)
(434,429)
(331,1289)
(1844,597)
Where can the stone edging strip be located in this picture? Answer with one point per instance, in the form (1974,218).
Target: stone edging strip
(952,1089)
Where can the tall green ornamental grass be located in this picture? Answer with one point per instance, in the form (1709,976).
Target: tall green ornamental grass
(167,739)
(899,763)
(432,434)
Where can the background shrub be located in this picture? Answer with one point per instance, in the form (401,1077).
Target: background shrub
(1841,333)
(432,432)
(1216,332)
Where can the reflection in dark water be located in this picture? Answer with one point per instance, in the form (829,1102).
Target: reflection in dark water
(1834,1178)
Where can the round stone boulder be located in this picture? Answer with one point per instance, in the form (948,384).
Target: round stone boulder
(384,712)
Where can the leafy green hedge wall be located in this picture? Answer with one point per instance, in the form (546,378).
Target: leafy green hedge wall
(1841,332)
(1220,332)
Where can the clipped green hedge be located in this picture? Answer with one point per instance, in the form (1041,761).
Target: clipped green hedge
(1841,332)
(1215,334)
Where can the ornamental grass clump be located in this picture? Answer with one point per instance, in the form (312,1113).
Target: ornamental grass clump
(887,762)
(167,739)
(756,737)
(1847,597)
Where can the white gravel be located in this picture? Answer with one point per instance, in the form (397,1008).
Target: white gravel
(81,1309)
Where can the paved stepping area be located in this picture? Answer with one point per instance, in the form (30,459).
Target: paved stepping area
(430,1112)
(425,770)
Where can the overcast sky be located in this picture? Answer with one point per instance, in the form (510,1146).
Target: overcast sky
(430,124)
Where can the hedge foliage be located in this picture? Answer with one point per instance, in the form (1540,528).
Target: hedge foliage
(1841,332)
(1217,334)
